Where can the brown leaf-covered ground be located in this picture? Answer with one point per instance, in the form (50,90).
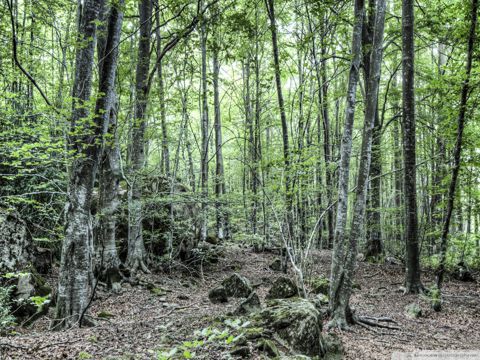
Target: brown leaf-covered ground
(145,322)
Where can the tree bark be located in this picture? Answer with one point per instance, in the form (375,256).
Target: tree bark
(219,170)
(343,284)
(457,154)
(281,104)
(108,264)
(137,256)
(339,248)
(412,280)
(374,246)
(75,278)
(204,131)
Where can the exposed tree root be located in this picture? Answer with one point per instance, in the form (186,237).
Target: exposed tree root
(367,322)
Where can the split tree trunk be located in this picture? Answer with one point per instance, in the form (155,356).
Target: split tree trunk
(76,277)
(343,284)
(108,264)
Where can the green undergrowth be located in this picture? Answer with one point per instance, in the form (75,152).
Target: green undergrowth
(220,336)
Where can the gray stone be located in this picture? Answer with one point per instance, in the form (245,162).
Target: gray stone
(249,305)
(237,286)
(297,322)
(282,288)
(218,295)
(14,243)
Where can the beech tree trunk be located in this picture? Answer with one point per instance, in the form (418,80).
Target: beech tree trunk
(343,285)
(108,264)
(76,276)
(137,256)
(374,246)
(339,248)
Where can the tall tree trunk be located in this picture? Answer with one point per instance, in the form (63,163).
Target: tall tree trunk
(374,244)
(137,255)
(161,93)
(341,293)
(281,104)
(458,145)
(75,278)
(204,131)
(339,247)
(219,170)
(108,265)
(412,280)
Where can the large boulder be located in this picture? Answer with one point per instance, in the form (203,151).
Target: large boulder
(298,323)
(237,286)
(282,288)
(14,242)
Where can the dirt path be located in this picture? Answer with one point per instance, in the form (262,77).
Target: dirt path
(142,322)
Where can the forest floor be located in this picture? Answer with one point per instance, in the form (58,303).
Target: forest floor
(141,323)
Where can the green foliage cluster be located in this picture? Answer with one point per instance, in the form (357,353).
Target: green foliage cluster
(223,338)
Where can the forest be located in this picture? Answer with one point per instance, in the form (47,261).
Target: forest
(227,179)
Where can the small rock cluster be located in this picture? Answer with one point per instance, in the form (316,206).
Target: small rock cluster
(286,326)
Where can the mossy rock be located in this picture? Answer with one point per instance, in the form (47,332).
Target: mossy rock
(282,288)
(218,295)
(297,322)
(320,285)
(249,305)
(237,286)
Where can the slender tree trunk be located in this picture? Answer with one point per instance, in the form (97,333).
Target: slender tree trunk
(283,118)
(219,170)
(341,293)
(458,145)
(374,246)
(339,249)
(75,278)
(412,280)
(205,135)
(137,256)
(161,93)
